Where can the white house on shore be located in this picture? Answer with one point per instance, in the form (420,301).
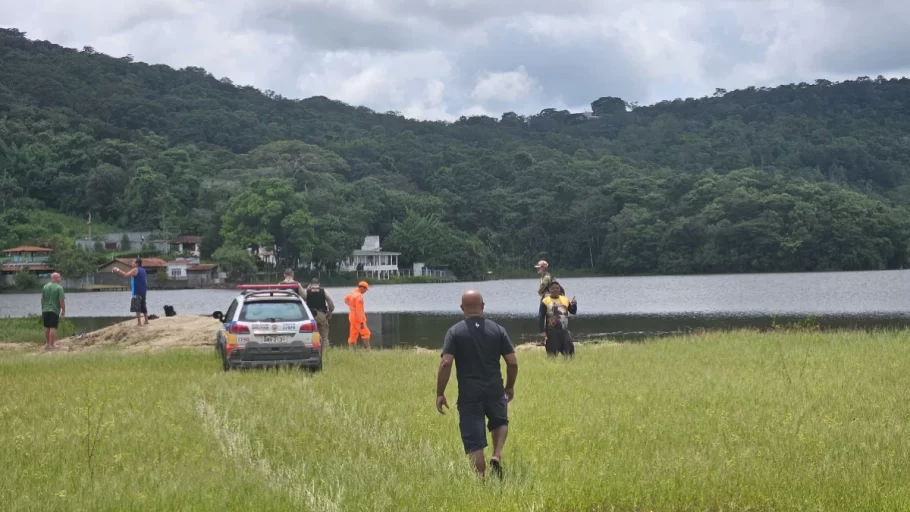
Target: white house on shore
(372,260)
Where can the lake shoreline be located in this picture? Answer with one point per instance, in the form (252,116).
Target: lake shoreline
(617,308)
(427,331)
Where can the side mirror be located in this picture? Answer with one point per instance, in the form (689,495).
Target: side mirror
(218,315)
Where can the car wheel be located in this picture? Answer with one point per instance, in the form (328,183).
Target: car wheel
(224,362)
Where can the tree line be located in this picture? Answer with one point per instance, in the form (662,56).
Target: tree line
(800,177)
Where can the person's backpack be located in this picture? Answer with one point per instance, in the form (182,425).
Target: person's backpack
(169,311)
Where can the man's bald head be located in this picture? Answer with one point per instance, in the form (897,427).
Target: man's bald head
(55,277)
(472,303)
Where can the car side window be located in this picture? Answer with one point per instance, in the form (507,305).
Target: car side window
(229,316)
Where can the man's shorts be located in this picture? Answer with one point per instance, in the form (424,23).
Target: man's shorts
(471,418)
(137,304)
(50,319)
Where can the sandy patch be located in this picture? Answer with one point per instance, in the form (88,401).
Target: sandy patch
(167,332)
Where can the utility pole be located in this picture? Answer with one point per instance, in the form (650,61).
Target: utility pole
(164,221)
(90,226)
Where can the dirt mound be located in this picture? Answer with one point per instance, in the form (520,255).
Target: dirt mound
(166,332)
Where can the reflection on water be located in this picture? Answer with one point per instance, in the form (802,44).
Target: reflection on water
(427,330)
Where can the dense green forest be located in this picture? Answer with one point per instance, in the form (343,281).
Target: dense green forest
(799,177)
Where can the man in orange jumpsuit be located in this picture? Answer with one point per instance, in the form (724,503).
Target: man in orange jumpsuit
(356,316)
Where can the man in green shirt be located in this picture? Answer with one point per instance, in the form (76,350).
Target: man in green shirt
(543,268)
(53,307)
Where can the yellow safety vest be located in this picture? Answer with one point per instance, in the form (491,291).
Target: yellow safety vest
(561,299)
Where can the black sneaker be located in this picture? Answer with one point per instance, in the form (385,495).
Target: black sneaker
(496,468)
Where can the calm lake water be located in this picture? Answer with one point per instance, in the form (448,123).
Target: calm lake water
(622,307)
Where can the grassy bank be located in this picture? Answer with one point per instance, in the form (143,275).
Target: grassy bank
(31,330)
(741,421)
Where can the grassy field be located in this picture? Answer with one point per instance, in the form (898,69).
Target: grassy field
(31,330)
(739,421)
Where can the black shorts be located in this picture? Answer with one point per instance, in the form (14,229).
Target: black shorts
(471,418)
(137,304)
(559,341)
(50,319)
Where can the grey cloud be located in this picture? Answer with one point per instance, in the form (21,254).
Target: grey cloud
(576,73)
(333,28)
(722,37)
(871,40)
(426,56)
(399,24)
(459,14)
(155,13)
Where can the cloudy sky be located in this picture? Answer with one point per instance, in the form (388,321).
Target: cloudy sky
(440,59)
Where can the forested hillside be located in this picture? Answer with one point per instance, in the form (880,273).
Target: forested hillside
(798,177)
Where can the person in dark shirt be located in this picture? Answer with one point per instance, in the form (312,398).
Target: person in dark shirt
(322,306)
(475,346)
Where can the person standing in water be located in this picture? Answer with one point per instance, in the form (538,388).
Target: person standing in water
(553,321)
(475,346)
(139,289)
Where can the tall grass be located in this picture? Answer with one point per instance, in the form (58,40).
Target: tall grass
(30,329)
(741,421)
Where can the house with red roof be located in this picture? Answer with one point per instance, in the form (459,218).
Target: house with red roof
(188,244)
(106,275)
(28,257)
(202,274)
(176,269)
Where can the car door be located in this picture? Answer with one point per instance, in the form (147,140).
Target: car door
(226,322)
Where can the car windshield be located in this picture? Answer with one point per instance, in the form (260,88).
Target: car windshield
(273,311)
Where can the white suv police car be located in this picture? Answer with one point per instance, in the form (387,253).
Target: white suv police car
(268,326)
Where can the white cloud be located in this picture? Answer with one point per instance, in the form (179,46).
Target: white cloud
(412,83)
(444,58)
(508,86)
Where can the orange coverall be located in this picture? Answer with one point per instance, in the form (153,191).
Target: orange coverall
(357,318)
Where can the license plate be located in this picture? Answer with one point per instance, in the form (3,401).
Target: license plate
(275,339)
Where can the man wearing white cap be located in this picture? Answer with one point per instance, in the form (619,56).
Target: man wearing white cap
(545,277)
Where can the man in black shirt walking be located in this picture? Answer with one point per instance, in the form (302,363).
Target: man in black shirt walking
(475,345)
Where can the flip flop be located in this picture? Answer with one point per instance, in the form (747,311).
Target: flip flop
(496,468)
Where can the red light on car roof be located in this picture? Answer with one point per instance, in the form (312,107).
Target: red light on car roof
(282,286)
